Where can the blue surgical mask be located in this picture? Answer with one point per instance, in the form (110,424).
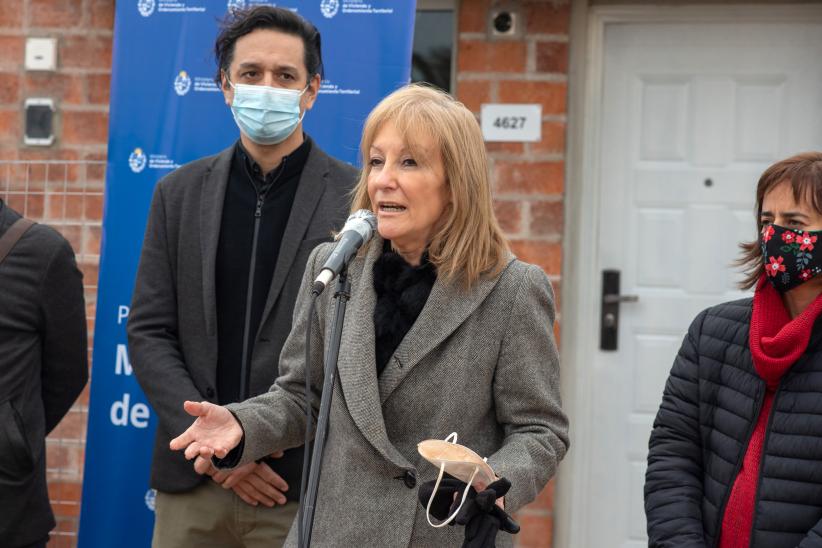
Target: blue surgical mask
(266,115)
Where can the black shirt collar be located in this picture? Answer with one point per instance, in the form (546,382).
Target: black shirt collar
(290,166)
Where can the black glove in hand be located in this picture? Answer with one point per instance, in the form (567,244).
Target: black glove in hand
(480,514)
(444,499)
(483,518)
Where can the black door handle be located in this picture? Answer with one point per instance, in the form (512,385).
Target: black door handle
(609,316)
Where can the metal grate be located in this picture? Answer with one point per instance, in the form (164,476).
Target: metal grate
(67,195)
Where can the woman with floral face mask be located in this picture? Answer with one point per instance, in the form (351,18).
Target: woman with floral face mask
(446,331)
(735,456)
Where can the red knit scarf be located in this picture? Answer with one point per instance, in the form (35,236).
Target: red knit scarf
(776,342)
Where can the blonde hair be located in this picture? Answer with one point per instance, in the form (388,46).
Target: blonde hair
(469,242)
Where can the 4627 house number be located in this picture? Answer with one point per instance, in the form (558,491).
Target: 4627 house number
(510,122)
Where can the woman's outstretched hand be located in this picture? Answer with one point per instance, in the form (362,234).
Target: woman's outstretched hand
(214,433)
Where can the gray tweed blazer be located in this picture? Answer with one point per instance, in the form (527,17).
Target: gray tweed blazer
(480,362)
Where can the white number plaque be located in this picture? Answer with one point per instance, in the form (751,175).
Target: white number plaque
(509,122)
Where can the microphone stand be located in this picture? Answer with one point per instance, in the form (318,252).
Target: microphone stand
(342,293)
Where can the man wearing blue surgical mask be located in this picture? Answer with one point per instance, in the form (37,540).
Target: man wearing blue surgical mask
(226,244)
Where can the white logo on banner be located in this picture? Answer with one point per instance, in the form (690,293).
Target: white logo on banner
(330,8)
(330,88)
(182,83)
(151,496)
(234,5)
(357,7)
(148,7)
(137,160)
(145,7)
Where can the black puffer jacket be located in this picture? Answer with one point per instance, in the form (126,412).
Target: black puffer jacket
(711,402)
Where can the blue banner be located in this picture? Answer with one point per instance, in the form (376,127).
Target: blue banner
(166,110)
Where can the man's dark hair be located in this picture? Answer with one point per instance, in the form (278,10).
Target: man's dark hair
(241,22)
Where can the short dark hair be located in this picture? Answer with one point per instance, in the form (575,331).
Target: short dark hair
(238,23)
(804,173)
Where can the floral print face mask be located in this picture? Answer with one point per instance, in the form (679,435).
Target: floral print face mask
(789,255)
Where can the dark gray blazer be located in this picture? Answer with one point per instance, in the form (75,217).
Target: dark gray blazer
(481,363)
(172,326)
(43,368)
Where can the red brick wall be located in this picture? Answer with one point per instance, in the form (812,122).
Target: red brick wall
(528,178)
(68,196)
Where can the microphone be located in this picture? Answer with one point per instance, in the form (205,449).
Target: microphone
(358,230)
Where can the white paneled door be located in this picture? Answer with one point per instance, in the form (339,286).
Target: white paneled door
(691,116)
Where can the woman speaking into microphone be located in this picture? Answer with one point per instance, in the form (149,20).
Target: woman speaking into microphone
(445,332)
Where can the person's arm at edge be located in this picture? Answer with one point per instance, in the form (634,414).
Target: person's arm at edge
(154,349)
(674,479)
(526,392)
(65,342)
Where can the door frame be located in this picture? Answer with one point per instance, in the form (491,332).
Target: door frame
(580,283)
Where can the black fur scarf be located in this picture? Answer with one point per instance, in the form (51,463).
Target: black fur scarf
(401,291)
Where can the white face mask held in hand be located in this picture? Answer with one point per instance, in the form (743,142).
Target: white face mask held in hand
(478,512)
(461,463)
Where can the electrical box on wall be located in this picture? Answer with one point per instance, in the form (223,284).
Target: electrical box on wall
(41,54)
(39,121)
